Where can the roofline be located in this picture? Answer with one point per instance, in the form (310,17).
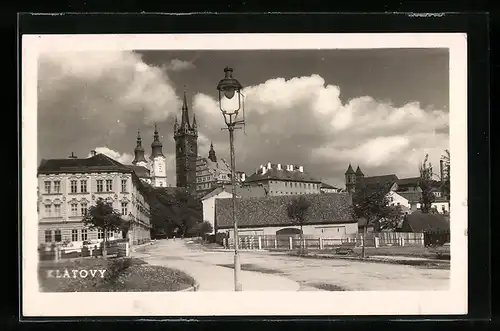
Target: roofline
(281,179)
(84,171)
(230,226)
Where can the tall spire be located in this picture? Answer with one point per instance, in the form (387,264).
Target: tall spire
(211,153)
(359,173)
(185,115)
(139,150)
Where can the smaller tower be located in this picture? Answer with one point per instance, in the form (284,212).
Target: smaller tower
(359,175)
(139,159)
(211,153)
(158,164)
(350,182)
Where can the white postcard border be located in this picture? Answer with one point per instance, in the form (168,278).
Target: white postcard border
(453,301)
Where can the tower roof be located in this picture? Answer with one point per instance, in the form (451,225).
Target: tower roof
(139,150)
(185,114)
(359,172)
(156,145)
(350,170)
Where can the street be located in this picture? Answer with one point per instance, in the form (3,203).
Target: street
(212,270)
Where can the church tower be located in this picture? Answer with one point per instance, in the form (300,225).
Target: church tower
(211,153)
(186,149)
(158,164)
(139,159)
(350,182)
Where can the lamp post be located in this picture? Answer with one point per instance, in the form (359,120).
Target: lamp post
(228,88)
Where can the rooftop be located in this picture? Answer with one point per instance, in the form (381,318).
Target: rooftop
(96,163)
(329,208)
(282,172)
(241,192)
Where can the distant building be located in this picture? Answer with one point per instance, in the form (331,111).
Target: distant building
(154,171)
(211,172)
(327,188)
(70,186)
(405,192)
(225,192)
(280,180)
(329,215)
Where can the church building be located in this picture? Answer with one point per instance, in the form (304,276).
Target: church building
(186,149)
(154,171)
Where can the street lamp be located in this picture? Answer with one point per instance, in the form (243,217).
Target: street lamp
(228,87)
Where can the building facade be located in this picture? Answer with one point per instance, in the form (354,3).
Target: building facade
(211,172)
(68,187)
(329,215)
(186,149)
(225,192)
(280,180)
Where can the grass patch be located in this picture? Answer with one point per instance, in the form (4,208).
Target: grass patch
(111,275)
(252,267)
(327,287)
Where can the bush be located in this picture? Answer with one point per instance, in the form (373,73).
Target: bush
(115,268)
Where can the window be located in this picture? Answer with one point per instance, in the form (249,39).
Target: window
(124,185)
(83,186)
(109,185)
(73,186)
(47,187)
(48,210)
(74,209)
(74,235)
(109,234)
(295,185)
(57,236)
(57,210)
(84,234)
(99,234)
(57,186)
(83,208)
(124,208)
(48,236)
(99,185)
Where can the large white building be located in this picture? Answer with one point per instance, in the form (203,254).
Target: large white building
(154,170)
(68,187)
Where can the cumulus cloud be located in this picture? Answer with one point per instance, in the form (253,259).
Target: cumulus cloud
(100,99)
(303,121)
(179,65)
(123,158)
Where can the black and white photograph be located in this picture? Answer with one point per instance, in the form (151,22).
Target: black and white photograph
(284,169)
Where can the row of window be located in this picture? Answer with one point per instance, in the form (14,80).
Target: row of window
(299,185)
(76,209)
(55,186)
(289,193)
(55,236)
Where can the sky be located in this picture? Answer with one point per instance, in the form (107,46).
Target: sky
(381,109)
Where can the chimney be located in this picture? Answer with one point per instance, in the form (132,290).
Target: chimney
(301,168)
(264,170)
(72,156)
(279,166)
(93,152)
(243,177)
(268,165)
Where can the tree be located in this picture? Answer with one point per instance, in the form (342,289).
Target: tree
(103,217)
(297,211)
(445,181)
(426,185)
(373,204)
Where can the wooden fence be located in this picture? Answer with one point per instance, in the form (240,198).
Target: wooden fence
(290,242)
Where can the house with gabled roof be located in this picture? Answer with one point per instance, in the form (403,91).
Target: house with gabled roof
(68,187)
(329,215)
(226,192)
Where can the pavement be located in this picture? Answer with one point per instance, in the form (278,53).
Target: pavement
(292,273)
(210,277)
